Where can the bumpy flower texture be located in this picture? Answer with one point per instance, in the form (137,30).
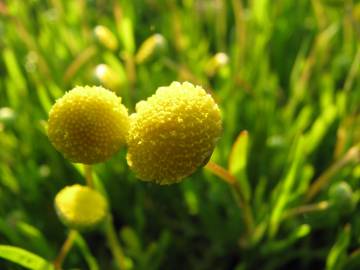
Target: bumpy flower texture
(88,124)
(173,133)
(80,207)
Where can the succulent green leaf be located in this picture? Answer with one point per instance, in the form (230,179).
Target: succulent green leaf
(24,258)
(238,161)
(85,250)
(337,255)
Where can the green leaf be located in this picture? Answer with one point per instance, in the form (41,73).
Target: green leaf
(281,245)
(126,34)
(260,9)
(85,250)
(238,162)
(337,255)
(125,26)
(24,258)
(6,230)
(44,98)
(14,70)
(318,130)
(8,179)
(353,261)
(287,185)
(35,237)
(131,240)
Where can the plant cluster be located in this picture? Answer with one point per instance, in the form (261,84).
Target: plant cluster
(286,77)
(169,136)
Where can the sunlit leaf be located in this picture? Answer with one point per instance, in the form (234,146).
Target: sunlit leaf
(24,258)
(337,255)
(238,162)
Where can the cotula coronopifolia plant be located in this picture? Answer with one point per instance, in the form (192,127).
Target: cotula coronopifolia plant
(171,134)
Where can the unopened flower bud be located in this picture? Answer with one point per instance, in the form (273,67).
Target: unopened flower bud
(105,37)
(80,207)
(107,77)
(216,63)
(150,47)
(341,197)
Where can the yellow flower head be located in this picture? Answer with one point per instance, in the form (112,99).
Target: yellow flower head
(80,207)
(88,124)
(172,133)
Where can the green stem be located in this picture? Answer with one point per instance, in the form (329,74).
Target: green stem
(110,231)
(65,250)
(306,209)
(349,81)
(89,176)
(224,175)
(353,154)
(82,58)
(114,244)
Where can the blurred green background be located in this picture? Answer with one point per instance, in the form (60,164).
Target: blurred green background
(285,71)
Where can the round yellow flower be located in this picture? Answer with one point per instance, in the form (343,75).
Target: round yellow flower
(80,207)
(88,124)
(173,133)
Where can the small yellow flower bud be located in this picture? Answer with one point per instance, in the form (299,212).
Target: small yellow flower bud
(106,37)
(216,63)
(150,47)
(173,133)
(88,124)
(107,77)
(80,207)
(7,115)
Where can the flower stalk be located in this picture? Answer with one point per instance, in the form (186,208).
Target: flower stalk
(306,209)
(109,228)
(114,244)
(243,204)
(66,247)
(88,176)
(352,155)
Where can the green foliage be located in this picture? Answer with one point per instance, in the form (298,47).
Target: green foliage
(24,258)
(337,254)
(290,101)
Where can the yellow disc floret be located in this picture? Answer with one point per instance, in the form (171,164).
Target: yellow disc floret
(88,124)
(80,207)
(172,133)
